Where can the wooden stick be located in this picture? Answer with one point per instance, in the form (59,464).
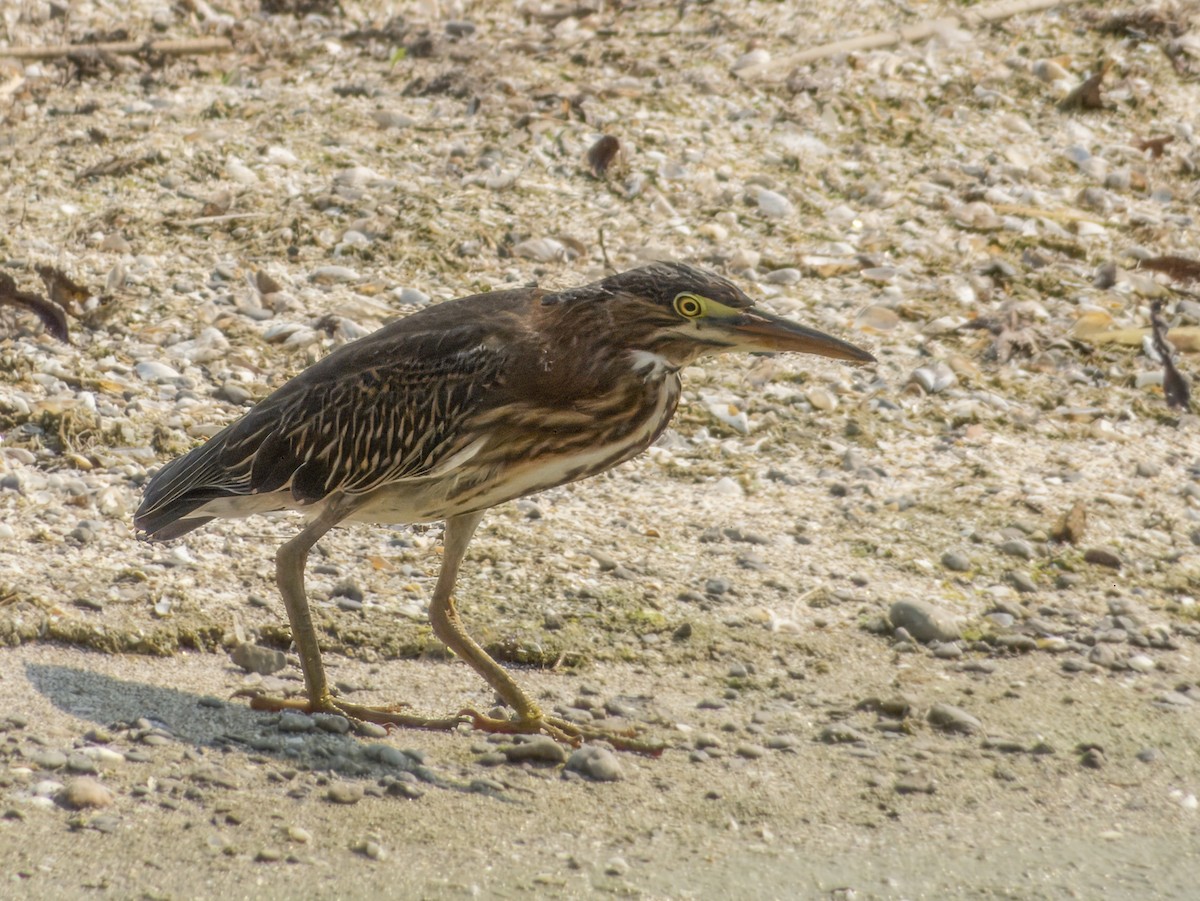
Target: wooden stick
(166,48)
(1005,9)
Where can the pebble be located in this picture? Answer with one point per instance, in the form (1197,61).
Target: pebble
(956,561)
(750,752)
(924,621)
(256,659)
(773,205)
(153,371)
(47,759)
(331,722)
(953,719)
(1102,556)
(1017,547)
(596,763)
(915,784)
(345,793)
(290,721)
(82,793)
(370,847)
(540,749)
(1023,582)
(841,733)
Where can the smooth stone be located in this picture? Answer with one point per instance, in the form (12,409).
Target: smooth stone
(953,719)
(295,722)
(924,621)
(595,763)
(539,749)
(1015,547)
(345,793)
(1102,556)
(256,659)
(956,561)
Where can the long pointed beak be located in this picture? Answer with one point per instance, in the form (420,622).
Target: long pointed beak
(760,331)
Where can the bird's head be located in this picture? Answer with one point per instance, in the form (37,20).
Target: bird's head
(681,313)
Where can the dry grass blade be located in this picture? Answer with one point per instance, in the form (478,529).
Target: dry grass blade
(1179,268)
(53,317)
(121,165)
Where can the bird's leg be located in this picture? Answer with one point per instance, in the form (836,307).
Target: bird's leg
(290,561)
(449,628)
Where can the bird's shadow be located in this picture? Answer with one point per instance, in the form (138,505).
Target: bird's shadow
(211,723)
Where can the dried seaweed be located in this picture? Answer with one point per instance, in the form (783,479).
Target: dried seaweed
(53,317)
(1179,268)
(1175,387)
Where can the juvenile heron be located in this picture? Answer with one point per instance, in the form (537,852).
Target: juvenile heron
(453,410)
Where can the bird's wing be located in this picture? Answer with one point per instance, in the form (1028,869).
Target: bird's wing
(384,409)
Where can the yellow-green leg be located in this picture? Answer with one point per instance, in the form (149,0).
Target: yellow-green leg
(449,628)
(290,561)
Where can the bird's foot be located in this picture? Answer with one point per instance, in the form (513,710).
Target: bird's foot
(390,716)
(565,731)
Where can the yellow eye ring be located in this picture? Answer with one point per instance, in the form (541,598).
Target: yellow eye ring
(689,306)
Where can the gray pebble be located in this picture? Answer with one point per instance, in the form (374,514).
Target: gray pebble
(840,733)
(750,752)
(948,650)
(1102,556)
(1017,547)
(401,789)
(915,784)
(1022,582)
(716,587)
(596,763)
(331,722)
(290,721)
(540,749)
(255,659)
(1103,655)
(924,621)
(953,719)
(956,561)
(1148,470)
(369,730)
(81,763)
(47,759)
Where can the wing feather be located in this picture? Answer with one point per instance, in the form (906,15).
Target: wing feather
(384,409)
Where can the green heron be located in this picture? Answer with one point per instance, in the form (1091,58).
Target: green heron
(453,410)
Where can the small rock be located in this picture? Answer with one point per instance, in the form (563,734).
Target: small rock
(956,561)
(255,659)
(290,721)
(331,722)
(953,719)
(539,749)
(924,621)
(1015,547)
(915,784)
(1102,556)
(596,763)
(345,793)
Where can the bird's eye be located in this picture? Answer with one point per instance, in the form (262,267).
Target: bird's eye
(688,306)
